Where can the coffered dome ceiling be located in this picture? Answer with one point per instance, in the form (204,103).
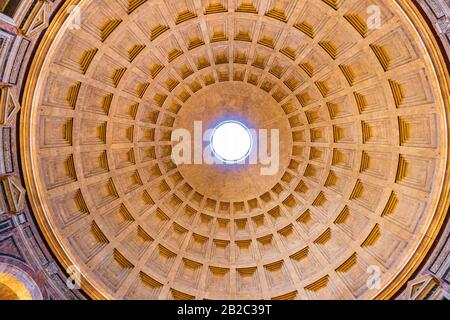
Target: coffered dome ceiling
(363,129)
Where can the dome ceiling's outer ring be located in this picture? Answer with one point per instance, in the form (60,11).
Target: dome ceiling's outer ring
(94,290)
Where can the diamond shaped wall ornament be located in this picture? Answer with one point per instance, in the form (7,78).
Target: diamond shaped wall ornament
(39,20)
(9,106)
(13,195)
(424,287)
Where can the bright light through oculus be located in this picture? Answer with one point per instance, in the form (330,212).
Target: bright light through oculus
(231,142)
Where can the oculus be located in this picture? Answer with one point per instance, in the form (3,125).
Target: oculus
(231,142)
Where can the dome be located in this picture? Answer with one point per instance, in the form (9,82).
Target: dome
(352,93)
